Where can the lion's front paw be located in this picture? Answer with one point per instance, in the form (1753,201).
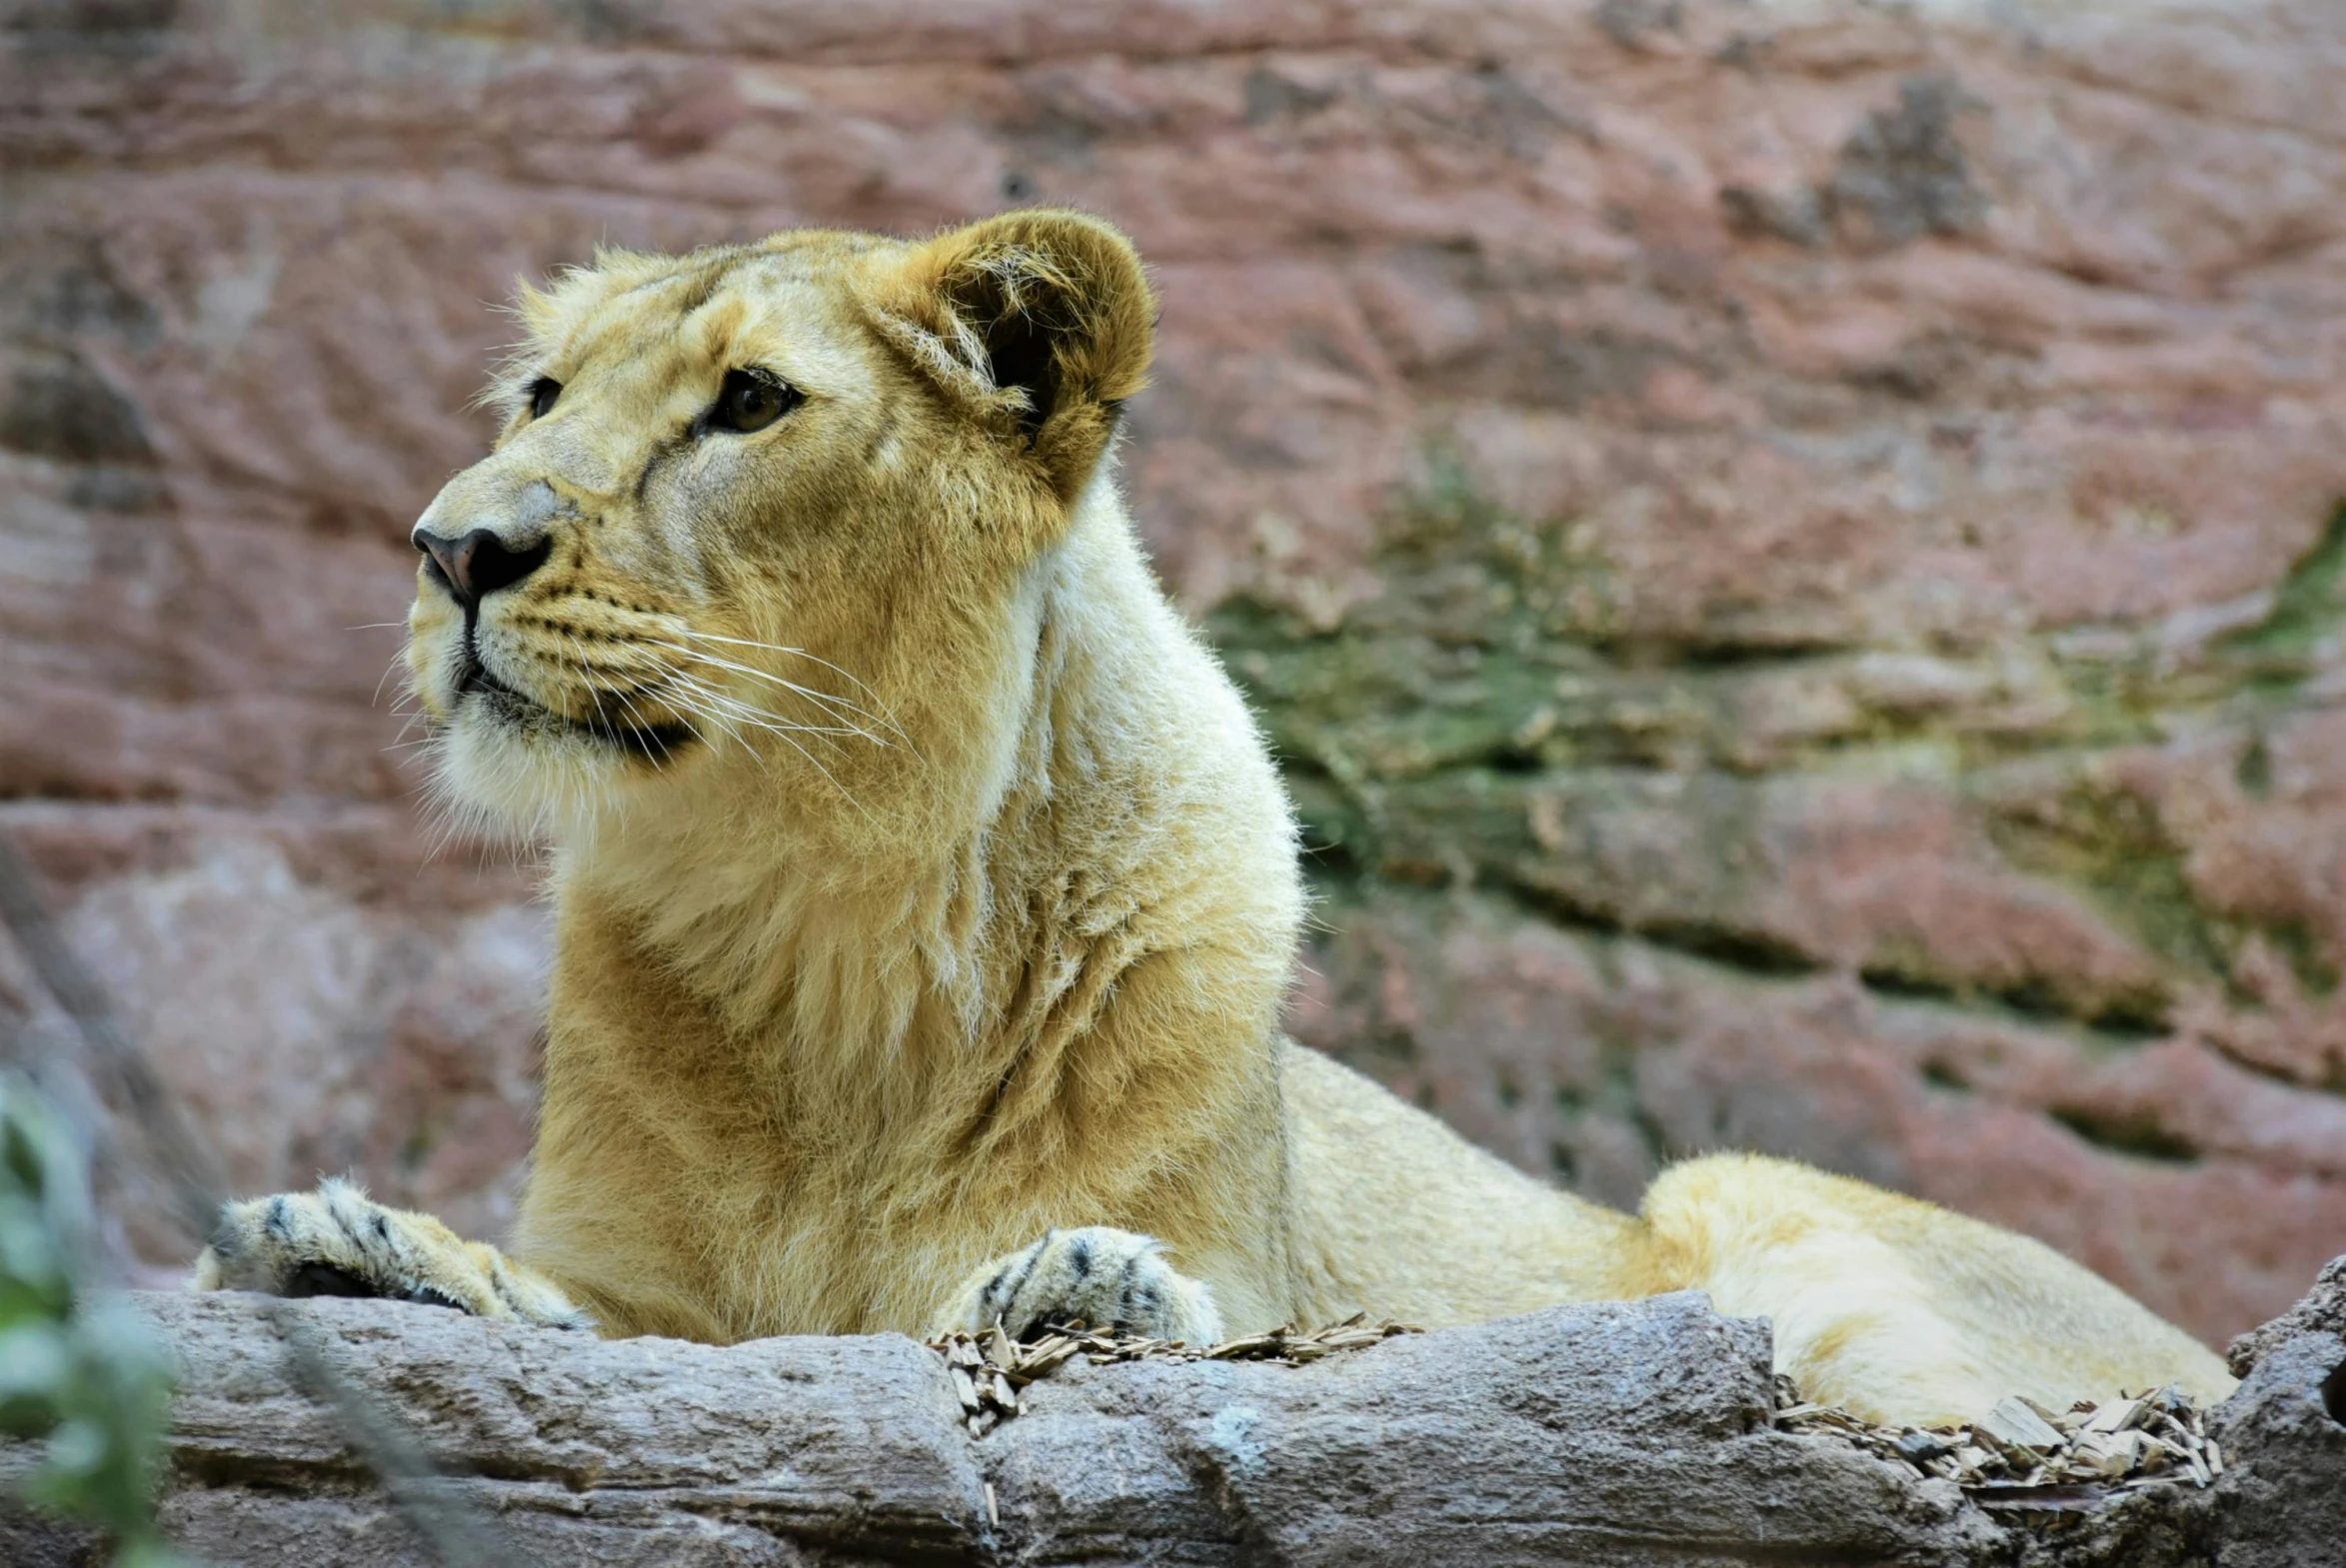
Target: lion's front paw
(1098,1276)
(337,1241)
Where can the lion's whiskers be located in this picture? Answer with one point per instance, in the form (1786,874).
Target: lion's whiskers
(474,791)
(645,732)
(699,699)
(764,718)
(883,715)
(398,665)
(689,695)
(711,702)
(757,719)
(717,708)
(828,703)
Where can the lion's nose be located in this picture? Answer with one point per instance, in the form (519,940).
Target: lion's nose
(479,564)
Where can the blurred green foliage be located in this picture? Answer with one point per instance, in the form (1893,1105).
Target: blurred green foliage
(76,1369)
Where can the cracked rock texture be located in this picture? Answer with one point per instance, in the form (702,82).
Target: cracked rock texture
(1793,548)
(1611,1436)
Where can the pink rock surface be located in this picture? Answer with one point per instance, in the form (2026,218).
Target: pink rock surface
(1926,424)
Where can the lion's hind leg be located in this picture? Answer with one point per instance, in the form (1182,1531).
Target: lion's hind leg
(337,1241)
(1898,1309)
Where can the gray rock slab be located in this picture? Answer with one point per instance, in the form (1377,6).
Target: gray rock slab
(1629,1434)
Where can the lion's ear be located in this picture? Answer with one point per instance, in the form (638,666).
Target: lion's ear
(1039,323)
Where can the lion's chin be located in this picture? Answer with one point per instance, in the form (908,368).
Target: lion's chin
(511,768)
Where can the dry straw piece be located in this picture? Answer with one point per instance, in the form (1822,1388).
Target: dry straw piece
(989,1368)
(2023,1459)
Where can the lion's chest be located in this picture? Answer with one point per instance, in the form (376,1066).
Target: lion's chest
(719,1225)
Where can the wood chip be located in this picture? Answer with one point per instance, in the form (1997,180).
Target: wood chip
(989,1369)
(2031,1463)
(2116,1416)
(2015,1423)
(2111,1453)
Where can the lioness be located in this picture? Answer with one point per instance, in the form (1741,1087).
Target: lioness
(926,897)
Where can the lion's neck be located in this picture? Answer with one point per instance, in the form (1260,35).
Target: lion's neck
(871,947)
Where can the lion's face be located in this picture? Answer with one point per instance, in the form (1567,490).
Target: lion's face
(756,508)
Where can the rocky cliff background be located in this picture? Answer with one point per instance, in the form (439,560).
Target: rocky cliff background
(1794,549)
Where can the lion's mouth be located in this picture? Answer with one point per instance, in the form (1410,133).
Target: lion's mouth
(623,730)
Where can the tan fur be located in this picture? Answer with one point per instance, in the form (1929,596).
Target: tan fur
(924,966)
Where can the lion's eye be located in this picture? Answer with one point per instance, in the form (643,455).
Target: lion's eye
(543,392)
(750,400)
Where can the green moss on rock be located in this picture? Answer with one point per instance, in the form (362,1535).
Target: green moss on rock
(1486,717)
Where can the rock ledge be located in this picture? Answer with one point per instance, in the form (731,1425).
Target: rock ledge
(1631,1435)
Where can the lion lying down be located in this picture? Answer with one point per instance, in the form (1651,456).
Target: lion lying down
(927,897)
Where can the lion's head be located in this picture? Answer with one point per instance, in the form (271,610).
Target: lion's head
(767,508)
